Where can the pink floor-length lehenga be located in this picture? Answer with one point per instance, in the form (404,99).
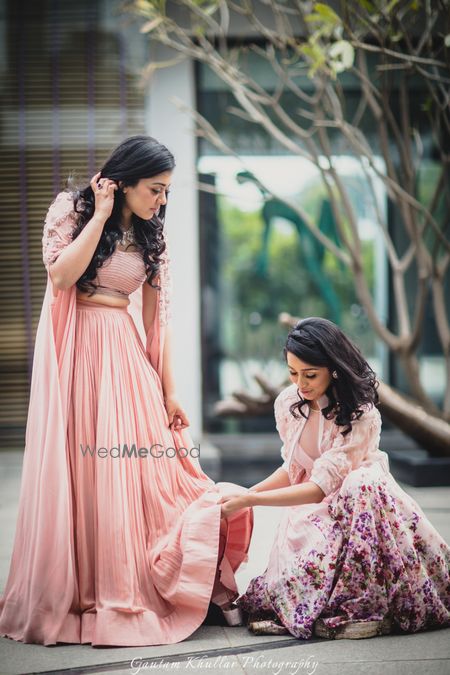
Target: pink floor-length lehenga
(365,552)
(111,550)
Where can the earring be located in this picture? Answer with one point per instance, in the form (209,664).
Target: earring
(334,374)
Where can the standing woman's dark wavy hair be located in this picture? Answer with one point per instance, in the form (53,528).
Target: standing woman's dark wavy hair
(135,158)
(319,342)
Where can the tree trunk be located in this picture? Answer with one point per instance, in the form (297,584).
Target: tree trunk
(432,433)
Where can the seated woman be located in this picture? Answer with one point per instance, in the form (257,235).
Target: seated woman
(352,547)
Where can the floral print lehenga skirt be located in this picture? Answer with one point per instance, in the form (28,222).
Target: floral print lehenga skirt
(366,552)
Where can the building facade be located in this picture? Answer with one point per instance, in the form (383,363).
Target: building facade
(73,86)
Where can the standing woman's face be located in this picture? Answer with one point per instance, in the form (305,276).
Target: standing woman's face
(148,195)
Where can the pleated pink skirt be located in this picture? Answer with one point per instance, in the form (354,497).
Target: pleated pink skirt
(146,518)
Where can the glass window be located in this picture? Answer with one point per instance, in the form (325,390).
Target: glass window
(260,259)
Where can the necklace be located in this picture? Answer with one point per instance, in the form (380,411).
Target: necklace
(127,236)
(314,409)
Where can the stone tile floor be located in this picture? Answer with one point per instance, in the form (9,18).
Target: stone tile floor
(217,650)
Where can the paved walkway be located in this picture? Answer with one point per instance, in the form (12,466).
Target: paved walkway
(217,650)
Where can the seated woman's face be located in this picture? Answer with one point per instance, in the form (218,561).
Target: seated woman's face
(312,381)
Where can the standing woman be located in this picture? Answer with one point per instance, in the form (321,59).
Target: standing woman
(352,547)
(119,538)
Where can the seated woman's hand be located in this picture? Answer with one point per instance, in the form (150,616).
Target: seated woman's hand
(226,489)
(234,502)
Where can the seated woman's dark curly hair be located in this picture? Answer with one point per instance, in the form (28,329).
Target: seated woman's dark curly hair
(135,158)
(319,342)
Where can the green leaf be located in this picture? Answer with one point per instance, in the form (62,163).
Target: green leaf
(158,5)
(313,52)
(427,105)
(369,6)
(312,18)
(316,56)
(391,6)
(326,13)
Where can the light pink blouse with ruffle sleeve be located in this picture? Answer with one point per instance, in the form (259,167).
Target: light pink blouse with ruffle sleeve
(337,455)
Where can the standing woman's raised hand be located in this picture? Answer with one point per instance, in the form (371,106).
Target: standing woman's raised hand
(103,189)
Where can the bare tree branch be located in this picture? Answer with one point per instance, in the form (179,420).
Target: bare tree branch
(294,43)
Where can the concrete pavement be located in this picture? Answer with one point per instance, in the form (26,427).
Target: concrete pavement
(213,649)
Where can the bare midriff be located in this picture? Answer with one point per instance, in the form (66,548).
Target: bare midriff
(102,299)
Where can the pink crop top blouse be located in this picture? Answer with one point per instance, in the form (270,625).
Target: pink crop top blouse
(121,274)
